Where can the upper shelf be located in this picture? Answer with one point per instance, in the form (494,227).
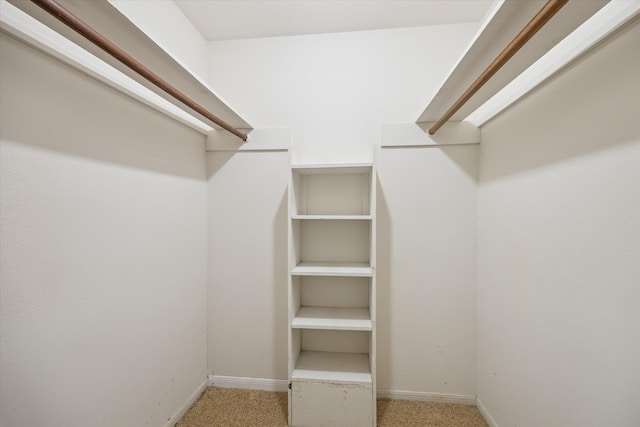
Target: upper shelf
(112,24)
(504,21)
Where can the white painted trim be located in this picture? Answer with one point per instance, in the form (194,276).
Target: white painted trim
(461,399)
(184,408)
(17,23)
(487,416)
(267,384)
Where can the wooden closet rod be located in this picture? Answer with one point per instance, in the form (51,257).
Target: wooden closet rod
(68,18)
(538,21)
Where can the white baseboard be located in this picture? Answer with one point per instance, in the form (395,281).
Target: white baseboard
(461,399)
(184,408)
(487,416)
(267,384)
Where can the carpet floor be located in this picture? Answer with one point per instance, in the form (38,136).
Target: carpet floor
(256,408)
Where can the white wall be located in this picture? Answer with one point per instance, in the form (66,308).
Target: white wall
(334,90)
(559,249)
(247,298)
(102,252)
(164,23)
(426,269)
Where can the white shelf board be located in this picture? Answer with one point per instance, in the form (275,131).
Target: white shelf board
(335,367)
(613,16)
(346,319)
(116,27)
(357,269)
(333,217)
(34,33)
(332,168)
(501,25)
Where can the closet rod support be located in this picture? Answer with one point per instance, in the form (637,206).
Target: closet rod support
(75,23)
(537,22)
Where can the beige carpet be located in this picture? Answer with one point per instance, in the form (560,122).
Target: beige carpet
(254,408)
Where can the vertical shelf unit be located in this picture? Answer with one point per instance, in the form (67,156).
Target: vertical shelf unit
(332,295)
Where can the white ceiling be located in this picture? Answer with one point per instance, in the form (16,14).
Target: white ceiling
(239,19)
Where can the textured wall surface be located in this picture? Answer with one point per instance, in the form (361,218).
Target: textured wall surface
(102,252)
(559,249)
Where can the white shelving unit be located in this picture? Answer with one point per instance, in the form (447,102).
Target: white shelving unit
(332,288)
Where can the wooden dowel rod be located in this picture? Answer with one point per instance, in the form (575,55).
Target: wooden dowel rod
(538,21)
(62,14)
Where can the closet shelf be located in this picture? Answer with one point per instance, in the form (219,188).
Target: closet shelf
(357,269)
(116,23)
(501,24)
(347,319)
(344,368)
(333,217)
